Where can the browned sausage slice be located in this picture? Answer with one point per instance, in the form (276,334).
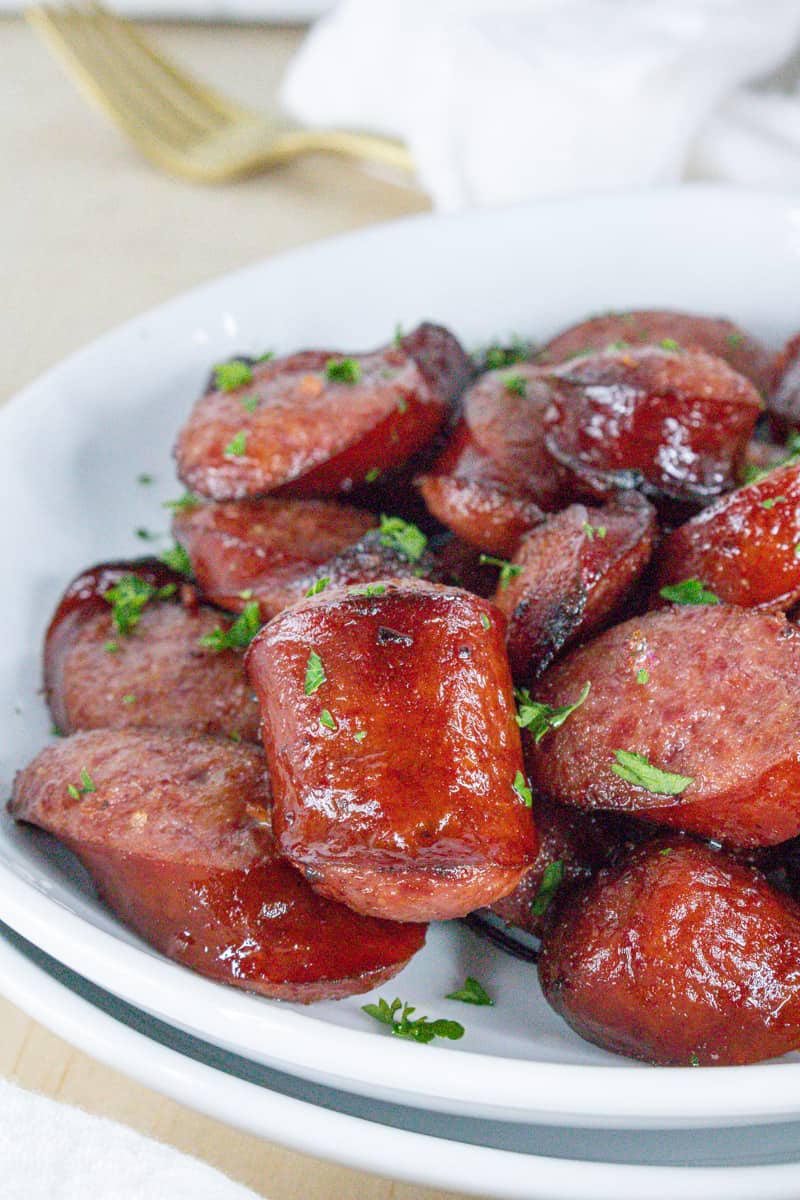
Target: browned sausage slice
(708,694)
(155,675)
(745,549)
(575,571)
(176,833)
(654,327)
(674,424)
(390,731)
(680,956)
(321,422)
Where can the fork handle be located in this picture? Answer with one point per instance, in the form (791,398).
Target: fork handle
(366,146)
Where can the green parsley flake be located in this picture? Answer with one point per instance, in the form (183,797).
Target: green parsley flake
(147,535)
(486,621)
(247,594)
(520,786)
(185,503)
(250,403)
(360,735)
(540,718)
(552,877)
(73,791)
(643,676)
(87,785)
(232,375)
(111,647)
(498,356)
(55,731)
(238,635)
(773,501)
(402,406)
(326,719)
(669,344)
(315,673)
(145,478)
(694,1060)
(236,736)
(398,1016)
(472,992)
(397,339)
(516,385)
(404,538)
(635,769)
(237,446)
(508,571)
(129,597)
(735,340)
(318,586)
(368,589)
(267,356)
(689,591)
(178,560)
(592,530)
(372,474)
(129,699)
(343,370)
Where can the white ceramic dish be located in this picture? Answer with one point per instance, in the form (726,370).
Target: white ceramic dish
(71,447)
(507,1161)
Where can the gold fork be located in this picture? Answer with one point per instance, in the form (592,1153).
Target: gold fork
(179,123)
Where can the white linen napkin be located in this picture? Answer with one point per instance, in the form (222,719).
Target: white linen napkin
(502,100)
(50,1151)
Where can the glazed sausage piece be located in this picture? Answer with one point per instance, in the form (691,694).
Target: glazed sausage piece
(270,548)
(709,695)
(175,832)
(673,424)
(319,423)
(783,402)
(744,548)
(654,327)
(390,732)
(678,956)
(575,571)
(157,674)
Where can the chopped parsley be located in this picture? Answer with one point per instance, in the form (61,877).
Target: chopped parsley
(398,1016)
(689,591)
(735,340)
(232,375)
(326,719)
(177,559)
(247,594)
(669,344)
(372,474)
(129,699)
(754,474)
(184,503)
(520,786)
(508,571)
(237,446)
(145,478)
(402,406)
(486,621)
(397,339)
(360,735)
(472,992)
(55,731)
(319,586)
(516,385)
(694,1060)
(552,877)
(404,538)
(343,370)
(238,635)
(267,356)
(147,535)
(540,718)
(368,589)
(643,676)
(315,673)
(635,769)
(128,598)
(772,501)
(592,530)
(250,403)
(111,647)
(87,785)
(505,356)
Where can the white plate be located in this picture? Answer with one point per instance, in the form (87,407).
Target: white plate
(511,1162)
(71,447)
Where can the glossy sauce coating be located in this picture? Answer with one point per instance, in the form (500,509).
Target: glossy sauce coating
(719,703)
(652,327)
(745,548)
(577,568)
(158,675)
(675,425)
(680,956)
(406,806)
(313,435)
(177,837)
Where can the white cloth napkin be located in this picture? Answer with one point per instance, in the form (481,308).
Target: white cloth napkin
(501,100)
(49,1151)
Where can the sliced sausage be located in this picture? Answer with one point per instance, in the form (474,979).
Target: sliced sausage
(175,832)
(575,571)
(654,327)
(745,548)
(319,423)
(389,727)
(709,694)
(673,424)
(158,674)
(679,956)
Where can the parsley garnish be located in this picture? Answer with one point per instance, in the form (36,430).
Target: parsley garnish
(689,591)
(232,375)
(486,621)
(552,876)
(368,589)
(643,676)
(319,586)
(250,403)
(669,344)
(372,474)
(505,356)
(753,474)
(508,571)
(129,699)
(591,530)
(237,446)
(326,719)
(773,501)
(177,558)
(111,647)
(55,731)
(247,594)
(147,535)
(403,537)
(315,673)
(267,356)
(145,478)
(635,769)
(540,718)
(694,1060)
(520,786)
(87,785)
(735,340)
(128,598)
(397,340)
(240,633)
(359,737)
(343,370)
(472,992)
(516,385)
(398,1016)
(185,503)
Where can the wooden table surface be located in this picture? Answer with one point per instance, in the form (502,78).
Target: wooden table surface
(90,236)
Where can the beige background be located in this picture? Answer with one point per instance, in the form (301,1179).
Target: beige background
(90,236)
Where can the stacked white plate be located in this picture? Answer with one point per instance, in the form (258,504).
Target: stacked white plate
(521,1107)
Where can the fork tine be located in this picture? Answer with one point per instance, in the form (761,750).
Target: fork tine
(177,90)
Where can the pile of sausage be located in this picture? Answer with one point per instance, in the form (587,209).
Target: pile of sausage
(439,635)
